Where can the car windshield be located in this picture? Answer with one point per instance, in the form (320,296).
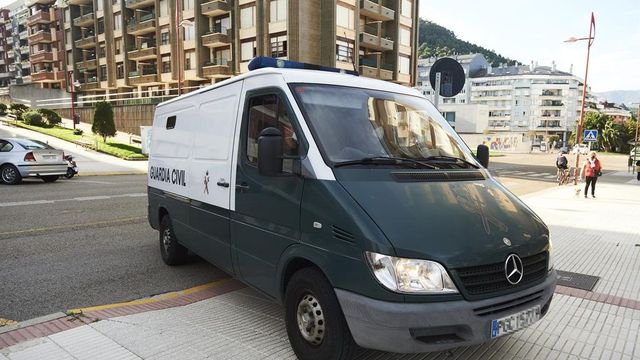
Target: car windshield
(33,144)
(352,124)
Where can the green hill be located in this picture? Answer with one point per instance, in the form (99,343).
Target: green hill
(436,40)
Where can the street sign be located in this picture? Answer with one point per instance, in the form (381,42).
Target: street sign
(590,135)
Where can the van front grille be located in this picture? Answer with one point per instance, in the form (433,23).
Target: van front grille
(487,279)
(434,175)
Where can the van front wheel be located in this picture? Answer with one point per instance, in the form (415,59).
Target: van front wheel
(315,323)
(172,252)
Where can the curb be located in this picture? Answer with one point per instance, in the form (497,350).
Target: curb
(58,322)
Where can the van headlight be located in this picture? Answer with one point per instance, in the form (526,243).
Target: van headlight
(410,275)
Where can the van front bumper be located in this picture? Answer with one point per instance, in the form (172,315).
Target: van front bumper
(426,327)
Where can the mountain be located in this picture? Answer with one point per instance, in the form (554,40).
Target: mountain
(626,97)
(436,40)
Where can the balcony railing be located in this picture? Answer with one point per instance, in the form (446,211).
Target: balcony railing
(87,64)
(44,56)
(40,37)
(215,8)
(217,36)
(138,4)
(84,20)
(147,76)
(87,42)
(141,53)
(375,42)
(369,68)
(142,25)
(376,9)
(41,17)
(217,68)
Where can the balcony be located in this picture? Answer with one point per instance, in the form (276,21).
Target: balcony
(41,17)
(218,36)
(136,78)
(142,54)
(87,64)
(217,68)
(42,57)
(80,2)
(48,76)
(42,2)
(375,10)
(370,68)
(85,20)
(370,39)
(144,25)
(215,8)
(139,4)
(40,37)
(90,84)
(86,43)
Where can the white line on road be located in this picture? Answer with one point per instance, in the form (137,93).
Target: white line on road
(86,198)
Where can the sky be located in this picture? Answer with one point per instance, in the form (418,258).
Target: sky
(527,31)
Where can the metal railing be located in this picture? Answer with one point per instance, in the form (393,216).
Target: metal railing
(217,29)
(217,62)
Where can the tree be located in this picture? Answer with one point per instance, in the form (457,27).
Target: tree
(611,135)
(51,116)
(595,121)
(103,123)
(33,118)
(18,109)
(3,108)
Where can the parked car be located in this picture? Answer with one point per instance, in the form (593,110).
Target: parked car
(20,158)
(583,148)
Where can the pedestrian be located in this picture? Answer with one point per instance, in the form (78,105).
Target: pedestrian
(591,170)
(630,164)
(638,169)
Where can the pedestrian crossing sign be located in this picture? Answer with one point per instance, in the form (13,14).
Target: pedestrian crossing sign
(591,135)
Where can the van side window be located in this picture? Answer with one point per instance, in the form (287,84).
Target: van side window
(269,111)
(171,122)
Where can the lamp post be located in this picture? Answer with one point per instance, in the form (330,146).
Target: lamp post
(590,39)
(180,54)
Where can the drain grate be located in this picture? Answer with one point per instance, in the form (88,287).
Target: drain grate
(578,281)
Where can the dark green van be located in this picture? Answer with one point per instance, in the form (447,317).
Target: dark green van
(353,203)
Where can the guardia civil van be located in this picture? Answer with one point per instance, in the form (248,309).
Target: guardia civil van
(353,203)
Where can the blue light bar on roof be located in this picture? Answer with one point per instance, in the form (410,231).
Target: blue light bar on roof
(269,62)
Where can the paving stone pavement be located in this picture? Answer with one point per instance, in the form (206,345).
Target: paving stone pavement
(592,236)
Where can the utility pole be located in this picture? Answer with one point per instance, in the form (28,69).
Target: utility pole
(636,147)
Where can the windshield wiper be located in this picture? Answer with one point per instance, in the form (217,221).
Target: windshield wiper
(450,158)
(384,160)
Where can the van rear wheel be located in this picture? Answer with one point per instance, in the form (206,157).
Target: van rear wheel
(315,323)
(173,253)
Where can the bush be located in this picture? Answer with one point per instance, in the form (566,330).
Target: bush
(32,118)
(3,109)
(18,110)
(51,116)
(77,132)
(103,123)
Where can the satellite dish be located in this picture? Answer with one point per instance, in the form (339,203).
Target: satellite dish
(452,77)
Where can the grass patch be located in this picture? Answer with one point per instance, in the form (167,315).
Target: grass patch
(123,151)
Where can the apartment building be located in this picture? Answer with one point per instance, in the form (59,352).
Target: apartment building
(5,49)
(15,44)
(45,43)
(153,47)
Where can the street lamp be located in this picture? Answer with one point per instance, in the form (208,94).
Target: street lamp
(179,54)
(590,39)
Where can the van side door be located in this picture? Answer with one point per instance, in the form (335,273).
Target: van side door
(266,219)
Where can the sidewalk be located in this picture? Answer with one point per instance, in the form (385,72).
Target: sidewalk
(598,237)
(89,162)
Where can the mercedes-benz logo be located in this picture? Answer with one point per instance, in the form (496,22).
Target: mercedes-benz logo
(506,241)
(513,269)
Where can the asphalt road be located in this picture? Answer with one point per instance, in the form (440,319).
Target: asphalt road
(82,242)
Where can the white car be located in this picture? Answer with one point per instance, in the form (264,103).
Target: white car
(583,148)
(20,158)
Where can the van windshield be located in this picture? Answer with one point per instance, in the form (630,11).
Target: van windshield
(352,124)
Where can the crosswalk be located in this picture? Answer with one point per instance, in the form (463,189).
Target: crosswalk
(524,174)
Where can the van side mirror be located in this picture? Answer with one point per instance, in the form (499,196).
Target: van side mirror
(482,154)
(270,152)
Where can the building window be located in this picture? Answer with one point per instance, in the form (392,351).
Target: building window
(164,8)
(345,17)
(166,64)
(189,60)
(102,51)
(119,71)
(117,21)
(100,6)
(406,8)
(220,25)
(404,65)
(103,72)
(247,17)
(187,4)
(344,50)
(247,50)
(188,33)
(278,10)
(100,26)
(279,46)
(164,37)
(405,36)
(117,46)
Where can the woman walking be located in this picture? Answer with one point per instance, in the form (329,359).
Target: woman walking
(591,171)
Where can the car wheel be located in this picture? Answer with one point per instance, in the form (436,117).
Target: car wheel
(173,253)
(10,174)
(69,173)
(315,323)
(50,178)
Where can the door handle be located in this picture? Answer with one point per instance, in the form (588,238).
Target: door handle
(242,187)
(223,184)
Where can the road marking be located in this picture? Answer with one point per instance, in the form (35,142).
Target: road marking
(151,299)
(550,177)
(82,226)
(85,198)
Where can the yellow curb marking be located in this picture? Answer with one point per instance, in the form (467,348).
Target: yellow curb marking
(79,226)
(7,322)
(150,300)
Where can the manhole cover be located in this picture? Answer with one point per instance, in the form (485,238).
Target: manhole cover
(578,281)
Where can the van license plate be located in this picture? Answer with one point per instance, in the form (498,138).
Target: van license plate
(515,322)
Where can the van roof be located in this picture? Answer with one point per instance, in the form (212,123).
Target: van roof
(308,76)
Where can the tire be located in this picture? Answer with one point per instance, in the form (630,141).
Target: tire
(69,173)
(50,178)
(172,252)
(327,334)
(10,175)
